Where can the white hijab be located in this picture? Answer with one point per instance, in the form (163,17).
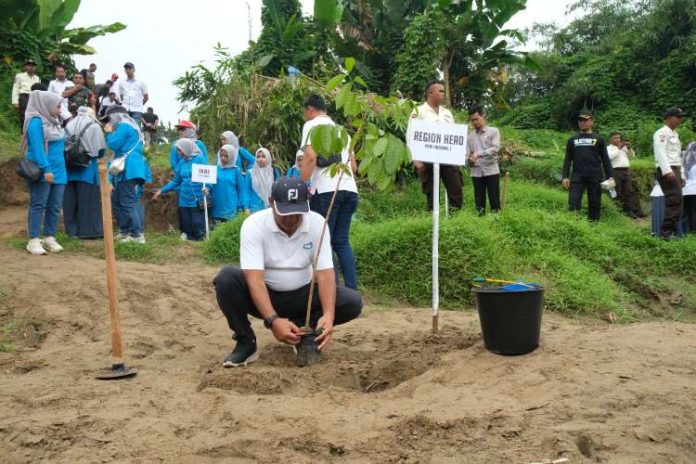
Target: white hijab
(188,147)
(116,118)
(92,139)
(232,153)
(40,105)
(262,178)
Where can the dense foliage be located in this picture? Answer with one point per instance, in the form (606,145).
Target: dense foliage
(627,60)
(38,29)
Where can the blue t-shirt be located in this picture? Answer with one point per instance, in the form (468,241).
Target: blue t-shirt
(51,160)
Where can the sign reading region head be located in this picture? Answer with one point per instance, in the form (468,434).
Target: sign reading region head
(433,142)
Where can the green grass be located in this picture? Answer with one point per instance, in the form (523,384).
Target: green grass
(612,267)
(9,145)
(160,248)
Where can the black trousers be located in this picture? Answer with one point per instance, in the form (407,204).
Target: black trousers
(452,178)
(23,101)
(690,212)
(625,191)
(490,184)
(82,210)
(578,184)
(674,207)
(236,304)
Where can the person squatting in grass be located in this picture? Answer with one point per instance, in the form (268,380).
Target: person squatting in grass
(260,180)
(586,154)
(82,202)
(620,153)
(316,172)
(191,213)
(668,160)
(124,139)
(483,146)
(451,176)
(277,249)
(228,194)
(45,145)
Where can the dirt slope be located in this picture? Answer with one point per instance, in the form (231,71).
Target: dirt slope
(388,392)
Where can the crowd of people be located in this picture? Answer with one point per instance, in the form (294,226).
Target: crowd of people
(68,126)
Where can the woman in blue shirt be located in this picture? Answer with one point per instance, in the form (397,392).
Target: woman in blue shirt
(45,144)
(245,160)
(125,139)
(261,178)
(81,202)
(294,170)
(228,194)
(191,217)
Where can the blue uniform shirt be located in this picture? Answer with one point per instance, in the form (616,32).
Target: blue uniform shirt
(125,139)
(189,192)
(229,194)
(53,160)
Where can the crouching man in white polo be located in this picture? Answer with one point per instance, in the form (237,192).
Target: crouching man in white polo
(277,247)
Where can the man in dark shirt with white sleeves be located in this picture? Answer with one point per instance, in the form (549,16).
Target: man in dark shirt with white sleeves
(586,154)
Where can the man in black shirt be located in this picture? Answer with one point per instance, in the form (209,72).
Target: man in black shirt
(150,121)
(587,153)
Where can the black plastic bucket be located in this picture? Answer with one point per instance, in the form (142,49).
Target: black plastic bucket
(510,319)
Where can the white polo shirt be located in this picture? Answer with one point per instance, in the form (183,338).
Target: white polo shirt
(619,157)
(133,93)
(286,261)
(321,180)
(58,87)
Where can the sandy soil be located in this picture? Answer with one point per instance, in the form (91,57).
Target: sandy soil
(387,392)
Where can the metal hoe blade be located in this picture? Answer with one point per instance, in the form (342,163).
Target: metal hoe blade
(117,371)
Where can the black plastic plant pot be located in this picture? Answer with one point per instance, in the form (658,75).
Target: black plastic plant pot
(307,353)
(510,319)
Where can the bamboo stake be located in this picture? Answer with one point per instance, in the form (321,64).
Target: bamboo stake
(506,178)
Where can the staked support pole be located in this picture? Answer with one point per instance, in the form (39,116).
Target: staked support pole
(205,212)
(436,243)
(506,179)
(118,368)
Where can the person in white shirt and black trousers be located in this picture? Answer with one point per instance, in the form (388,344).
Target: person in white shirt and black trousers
(277,249)
(620,153)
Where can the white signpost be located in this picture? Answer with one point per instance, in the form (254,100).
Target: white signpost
(205,174)
(437,143)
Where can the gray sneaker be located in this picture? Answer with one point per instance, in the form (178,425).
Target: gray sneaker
(244,352)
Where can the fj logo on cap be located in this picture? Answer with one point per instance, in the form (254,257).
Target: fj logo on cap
(293,194)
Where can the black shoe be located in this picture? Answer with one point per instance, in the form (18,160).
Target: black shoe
(668,237)
(244,352)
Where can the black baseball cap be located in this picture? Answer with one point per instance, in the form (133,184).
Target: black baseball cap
(585,114)
(290,195)
(674,111)
(129,65)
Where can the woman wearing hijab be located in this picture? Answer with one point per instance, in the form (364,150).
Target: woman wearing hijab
(689,190)
(294,170)
(45,144)
(245,160)
(261,178)
(228,194)
(125,139)
(191,217)
(186,130)
(82,202)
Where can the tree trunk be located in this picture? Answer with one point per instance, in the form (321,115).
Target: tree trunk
(446,64)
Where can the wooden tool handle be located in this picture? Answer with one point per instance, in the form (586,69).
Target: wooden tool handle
(110,257)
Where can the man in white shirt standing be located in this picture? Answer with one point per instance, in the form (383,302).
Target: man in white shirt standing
(451,176)
(483,146)
(667,148)
(620,153)
(22,89)
(58,86)
(324,185)
(277,249)
(133,93)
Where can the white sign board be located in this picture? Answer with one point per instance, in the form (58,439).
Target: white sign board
(434,142)
(204,174)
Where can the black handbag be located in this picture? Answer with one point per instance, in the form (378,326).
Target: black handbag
(201,204)
(26,168)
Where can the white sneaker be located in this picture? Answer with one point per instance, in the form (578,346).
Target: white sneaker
(183,237)
(140,239)
(50,244)
(119,237)
(35,248)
